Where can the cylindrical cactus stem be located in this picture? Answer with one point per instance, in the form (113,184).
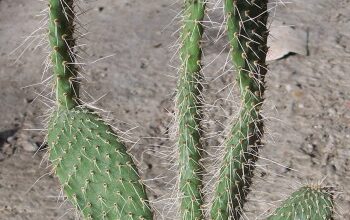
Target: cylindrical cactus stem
(61,18)
(188,104)
(247,31)
(308,203)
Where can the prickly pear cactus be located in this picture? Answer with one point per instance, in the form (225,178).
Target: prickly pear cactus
(308,203)
(188,104)
(247,31)
(92,165)
(98,175)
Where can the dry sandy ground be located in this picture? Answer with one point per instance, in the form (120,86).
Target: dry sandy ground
(307,105)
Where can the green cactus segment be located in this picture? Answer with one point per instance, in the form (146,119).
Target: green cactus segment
(62,43)
(188,111)
(308,203)
(94,168)
(247,31)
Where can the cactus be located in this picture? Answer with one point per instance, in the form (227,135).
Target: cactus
(61,40)
(92,164)
(308,203)
(98,175)
(247,31)
(189,111)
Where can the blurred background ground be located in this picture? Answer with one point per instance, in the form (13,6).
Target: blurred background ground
(307,102)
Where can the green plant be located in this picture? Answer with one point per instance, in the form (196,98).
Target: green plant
(189,111)
(93,166)
(309,202)
(247,31)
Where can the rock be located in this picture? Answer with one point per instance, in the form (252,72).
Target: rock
(11,139)
(332,111)
(285,39)
(288,88)
(28,146)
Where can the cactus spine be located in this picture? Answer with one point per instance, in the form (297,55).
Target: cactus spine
(247,31)
(92,165)
(308,203)
(189,112)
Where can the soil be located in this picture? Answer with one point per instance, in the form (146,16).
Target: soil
(129,74)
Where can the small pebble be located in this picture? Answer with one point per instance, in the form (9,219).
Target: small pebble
(288,88)
(11,139)
(28,146)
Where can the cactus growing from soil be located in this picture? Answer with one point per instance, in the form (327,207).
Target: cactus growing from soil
(98,175)
(189,111)
(247,31)
(92,164)
(308,203)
